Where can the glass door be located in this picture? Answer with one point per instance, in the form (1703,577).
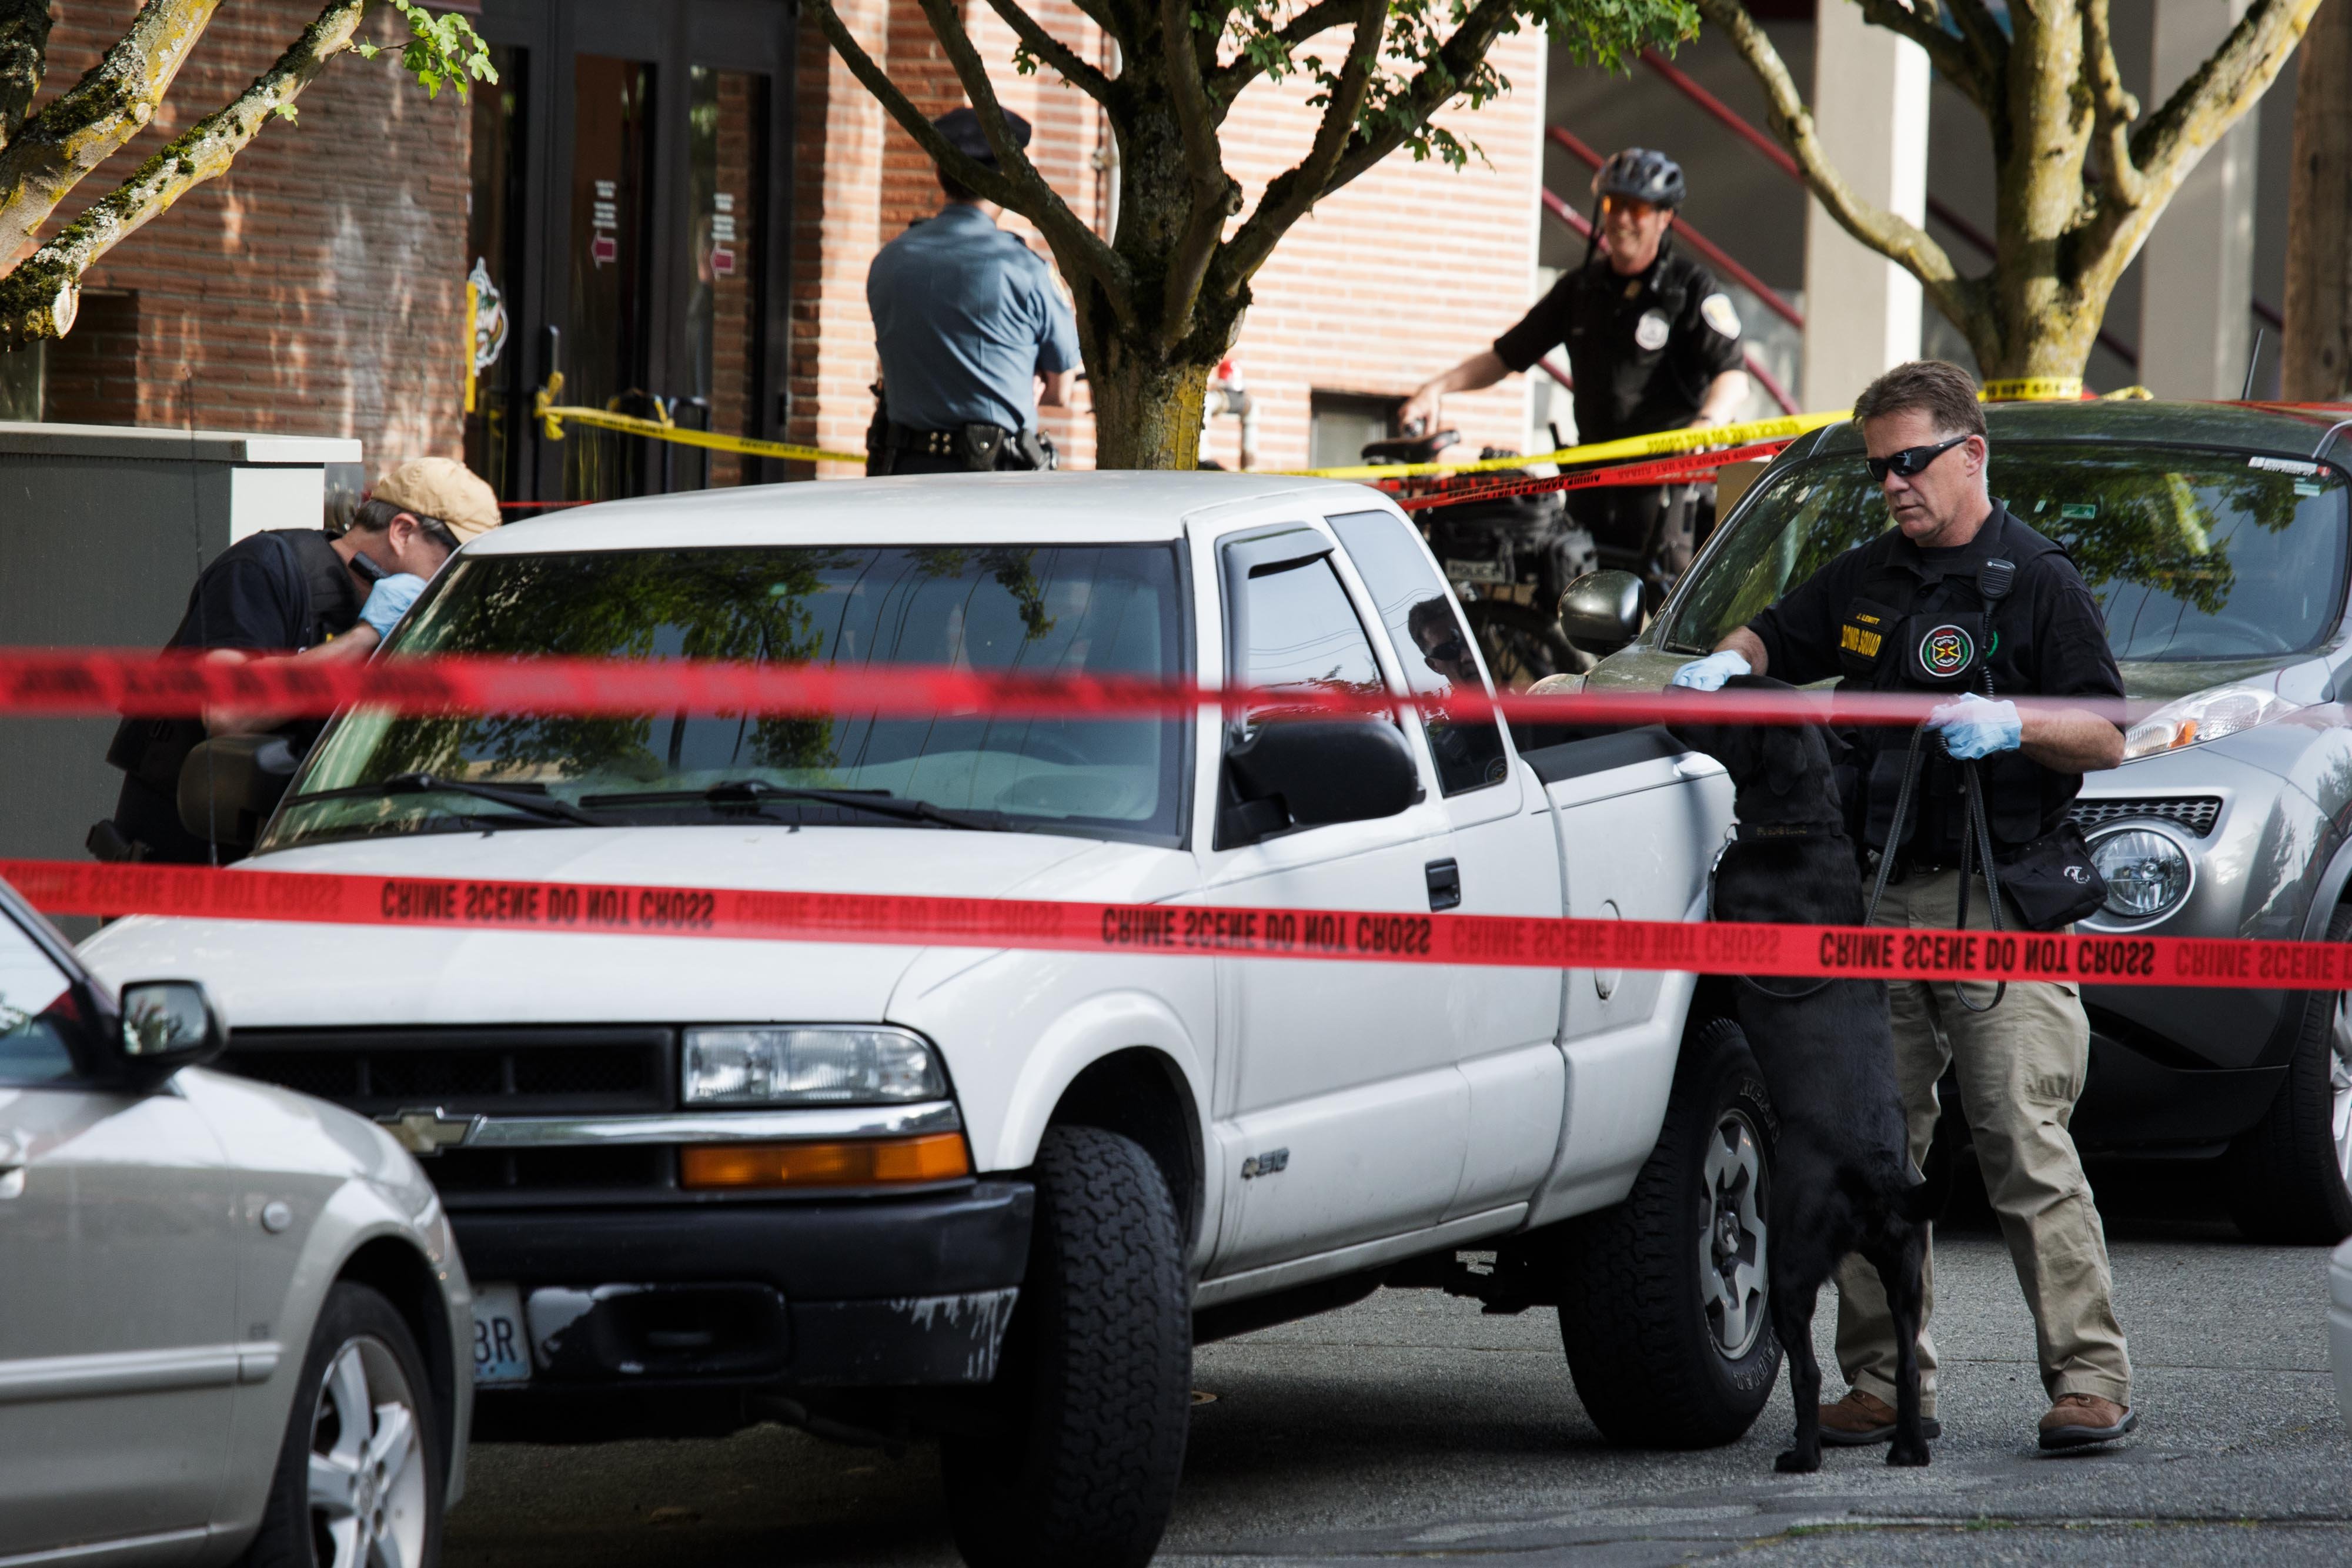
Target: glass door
(628,185)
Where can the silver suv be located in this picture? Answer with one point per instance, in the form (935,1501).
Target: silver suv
(2214,537)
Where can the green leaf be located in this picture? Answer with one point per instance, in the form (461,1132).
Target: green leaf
(440,48)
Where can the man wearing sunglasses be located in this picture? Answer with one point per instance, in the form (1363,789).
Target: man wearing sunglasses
(1960,597)
(1652,344)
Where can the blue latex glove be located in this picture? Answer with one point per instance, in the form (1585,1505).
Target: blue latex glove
(1708,675)
(389,601)
(1977,726)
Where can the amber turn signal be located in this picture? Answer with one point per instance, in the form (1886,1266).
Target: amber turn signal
(867,1162)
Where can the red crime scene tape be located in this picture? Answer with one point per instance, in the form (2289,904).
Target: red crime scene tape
(1688,467)
(71,887)
(48,682)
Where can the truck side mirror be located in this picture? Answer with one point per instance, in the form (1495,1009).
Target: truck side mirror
(1306,772)
(230,784)
(167,1025)
(1601,610)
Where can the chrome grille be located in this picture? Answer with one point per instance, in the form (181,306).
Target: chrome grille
(2198,813)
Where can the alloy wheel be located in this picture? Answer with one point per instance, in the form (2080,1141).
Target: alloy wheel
(2339,1084)
(1732,1263)
(367,1474)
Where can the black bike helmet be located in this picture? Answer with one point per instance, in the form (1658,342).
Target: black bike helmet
(1641,175)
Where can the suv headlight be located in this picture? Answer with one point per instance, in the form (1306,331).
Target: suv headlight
(2202,716)
(756,1065)
(2147,873)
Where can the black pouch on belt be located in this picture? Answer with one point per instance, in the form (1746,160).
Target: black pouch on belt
(2052,881)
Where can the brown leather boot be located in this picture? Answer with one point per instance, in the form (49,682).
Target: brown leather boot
(2079,1420)
(1860,1419)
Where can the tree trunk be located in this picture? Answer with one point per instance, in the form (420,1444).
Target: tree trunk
(1147,406)
(2318,349)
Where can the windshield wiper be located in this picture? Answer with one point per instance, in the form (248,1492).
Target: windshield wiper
(545,806)
(756,791)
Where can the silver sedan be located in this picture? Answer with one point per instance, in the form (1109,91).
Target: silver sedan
(233,1322)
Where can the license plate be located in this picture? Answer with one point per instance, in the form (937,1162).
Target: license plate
(502,1351)
(1477,572)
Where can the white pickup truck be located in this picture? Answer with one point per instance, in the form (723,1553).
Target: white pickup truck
(997,1196)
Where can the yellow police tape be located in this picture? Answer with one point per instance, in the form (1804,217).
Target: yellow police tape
(1664,443)
(2033,389)
(551,414)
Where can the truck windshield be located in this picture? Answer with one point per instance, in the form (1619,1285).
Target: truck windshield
(2191,555)
(1094,610)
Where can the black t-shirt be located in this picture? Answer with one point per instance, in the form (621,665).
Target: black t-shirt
(266,593)
(1641,350)
(2048,639)
(247,598)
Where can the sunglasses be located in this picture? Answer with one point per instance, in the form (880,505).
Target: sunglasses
(1628,204)
(1910,461)
(1451,650)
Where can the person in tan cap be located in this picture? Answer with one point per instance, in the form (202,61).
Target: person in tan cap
(416,519)
(299,593)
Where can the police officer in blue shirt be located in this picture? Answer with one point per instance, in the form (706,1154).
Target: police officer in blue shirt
(966,322)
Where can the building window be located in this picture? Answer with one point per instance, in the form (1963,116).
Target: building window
(1339,425)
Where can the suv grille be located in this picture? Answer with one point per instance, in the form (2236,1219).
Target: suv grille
(527,1072)
(2198,813)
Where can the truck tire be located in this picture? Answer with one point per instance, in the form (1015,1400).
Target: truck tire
(1664,1309)
(1092,1401)
(2288,1178)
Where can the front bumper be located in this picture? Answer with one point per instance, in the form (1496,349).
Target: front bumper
(882,1291)
(2183,1069)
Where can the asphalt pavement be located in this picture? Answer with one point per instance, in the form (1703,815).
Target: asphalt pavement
(1411,1428)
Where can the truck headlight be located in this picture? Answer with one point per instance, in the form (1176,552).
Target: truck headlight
(2202,716)
(756,1065)
(2147,873)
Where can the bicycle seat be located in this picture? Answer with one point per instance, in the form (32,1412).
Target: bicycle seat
(1411,448)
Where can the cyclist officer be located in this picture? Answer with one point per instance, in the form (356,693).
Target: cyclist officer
(1652,344)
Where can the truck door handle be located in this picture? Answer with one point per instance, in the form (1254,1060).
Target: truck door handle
(1445,885)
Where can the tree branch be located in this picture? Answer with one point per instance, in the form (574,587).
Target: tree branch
(24,61)
(2217,92)
(85,125)
(1985,37)
(41,297)
(1074,70)
(1081,251)
(1430,91)
(1924,26)
(1293,194)
(1891,235)
(1021,189)
(1225,83)
(2112,108)
(1215,196)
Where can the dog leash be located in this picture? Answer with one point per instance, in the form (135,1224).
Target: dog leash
(1976,842)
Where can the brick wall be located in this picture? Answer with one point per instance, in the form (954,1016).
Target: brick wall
(314,288)
(1409,270)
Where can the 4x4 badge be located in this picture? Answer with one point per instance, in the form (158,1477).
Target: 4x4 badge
(1947,651)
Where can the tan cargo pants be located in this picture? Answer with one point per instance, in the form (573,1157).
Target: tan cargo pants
(2020,1068)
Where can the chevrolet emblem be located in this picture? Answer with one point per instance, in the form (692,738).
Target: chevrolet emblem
(428,1133)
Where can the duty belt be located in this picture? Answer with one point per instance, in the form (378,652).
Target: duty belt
(935,443)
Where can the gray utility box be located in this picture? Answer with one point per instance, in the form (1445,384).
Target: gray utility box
(102,531)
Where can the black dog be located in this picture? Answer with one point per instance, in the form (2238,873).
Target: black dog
(1842,1176)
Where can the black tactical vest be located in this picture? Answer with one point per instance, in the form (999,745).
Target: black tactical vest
(1902,632)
